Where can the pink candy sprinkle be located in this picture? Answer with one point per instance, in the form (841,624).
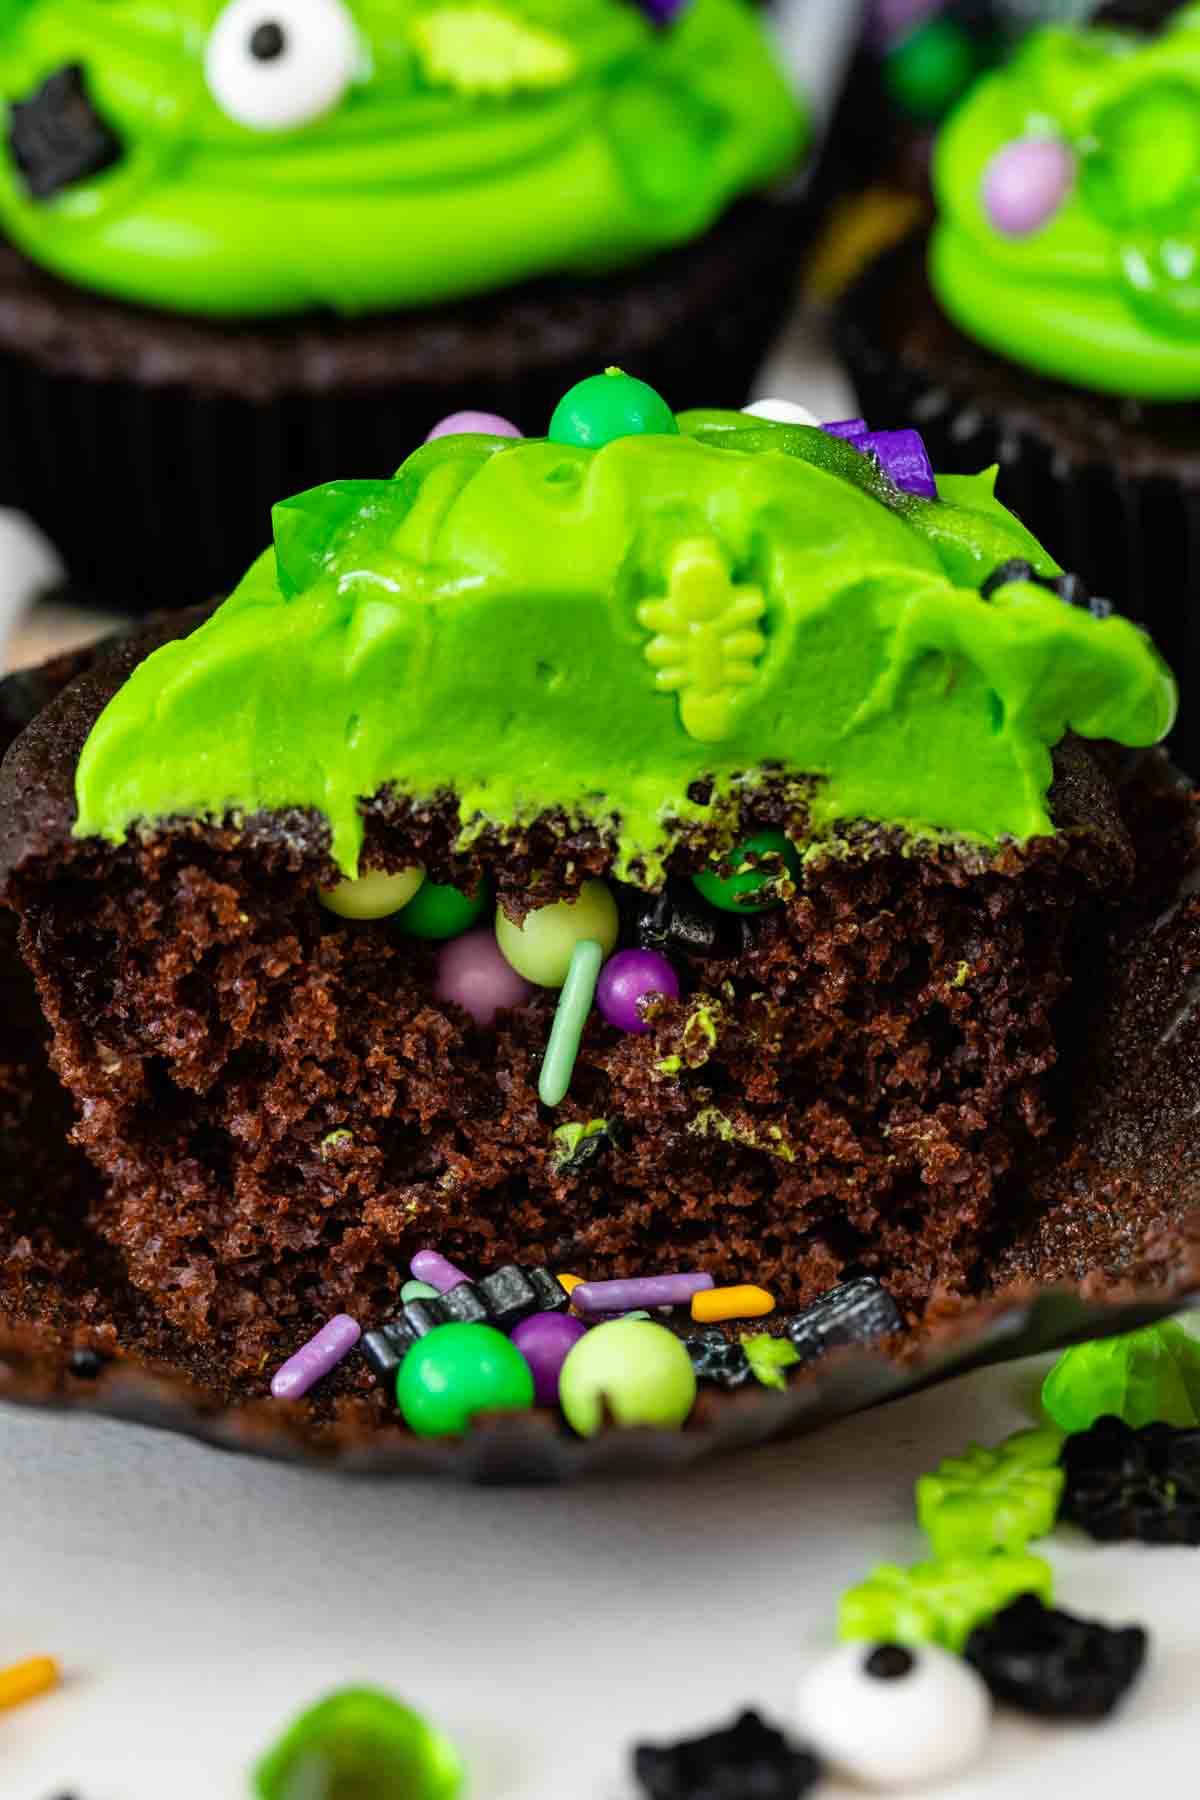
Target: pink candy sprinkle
(433,1267)
(646,1290)
(472,973)
(491,424)
(316,1358)
(1025,184)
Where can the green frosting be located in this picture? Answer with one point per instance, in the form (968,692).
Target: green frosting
(476,145)
(1106,293)
(541,626)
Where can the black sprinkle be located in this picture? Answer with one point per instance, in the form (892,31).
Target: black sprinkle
(858,1312)
(1072,589)
(509,1296)
(464,1305)
(679,922)
(1137,15)
(1015,569)
(700,793)
(85,1364)
(591,1148)
(1053,1664)
(424,1316)
(716,1359)
(748,1760)
(1143,1484)
(890,1662)
(385,1349)
(552,1296)
(56,137)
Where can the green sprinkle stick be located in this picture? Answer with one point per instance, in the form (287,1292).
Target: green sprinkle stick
(570,1017)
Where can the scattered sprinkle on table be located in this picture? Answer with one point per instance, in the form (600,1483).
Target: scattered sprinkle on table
(25,1680)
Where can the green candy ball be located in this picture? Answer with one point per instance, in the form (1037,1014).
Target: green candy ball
(441,911)
(540,948)
(456,1371)
(743,892)
(374,896)
(608,406)
(631,1371)
(926,73)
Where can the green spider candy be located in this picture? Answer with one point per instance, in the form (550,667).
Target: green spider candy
(938,1602)
(1143,1377)
(993,1499)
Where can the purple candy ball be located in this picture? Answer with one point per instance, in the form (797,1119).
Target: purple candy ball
(544,1341)
(491,424)
(627,978)
(1025,184)
(472,973)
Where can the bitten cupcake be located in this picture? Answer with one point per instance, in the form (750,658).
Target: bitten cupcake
(256,244)
(1052,322)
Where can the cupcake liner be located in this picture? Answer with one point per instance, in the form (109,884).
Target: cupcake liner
(151,449)
(1108,486)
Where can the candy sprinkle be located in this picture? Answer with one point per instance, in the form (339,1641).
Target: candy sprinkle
(437,1270)
(25,1680)
(644,1290)
(315,1359)
(746,1302)
(570,1017)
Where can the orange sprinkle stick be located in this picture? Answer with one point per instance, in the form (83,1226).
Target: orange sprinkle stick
(24,1680)
(715,1304)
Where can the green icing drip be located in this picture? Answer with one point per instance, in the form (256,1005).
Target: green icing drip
(481,144)
(478,624)
(1106,294)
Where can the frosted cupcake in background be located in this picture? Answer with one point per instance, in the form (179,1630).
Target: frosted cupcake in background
(1052,321)
(257,244)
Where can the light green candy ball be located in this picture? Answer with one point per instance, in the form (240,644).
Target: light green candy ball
(374,896)
(540,949)
(633,1371)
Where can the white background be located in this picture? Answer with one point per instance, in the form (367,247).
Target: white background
(197,1600)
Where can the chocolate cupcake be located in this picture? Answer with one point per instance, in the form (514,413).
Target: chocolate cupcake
(716,702)
(1052,321)
(255,245)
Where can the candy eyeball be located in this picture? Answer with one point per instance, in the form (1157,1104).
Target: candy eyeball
(273,65)
(893,1717)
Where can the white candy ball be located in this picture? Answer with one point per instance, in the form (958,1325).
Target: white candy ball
(926,1720)
(781,412)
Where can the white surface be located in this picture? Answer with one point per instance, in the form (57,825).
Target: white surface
(197,1599)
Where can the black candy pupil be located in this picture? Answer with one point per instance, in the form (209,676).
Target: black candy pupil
(268,41)
(889,1662)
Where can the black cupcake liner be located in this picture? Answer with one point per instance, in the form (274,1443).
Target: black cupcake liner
(151,449)
(1112,488)
(536,1448)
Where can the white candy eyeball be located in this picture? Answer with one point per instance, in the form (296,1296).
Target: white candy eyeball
(891,1717)
(276,64)
(781,412)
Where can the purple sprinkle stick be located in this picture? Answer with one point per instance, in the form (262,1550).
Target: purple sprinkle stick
(846,428)
(432,1266)
(316,1358)
(646,1290)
